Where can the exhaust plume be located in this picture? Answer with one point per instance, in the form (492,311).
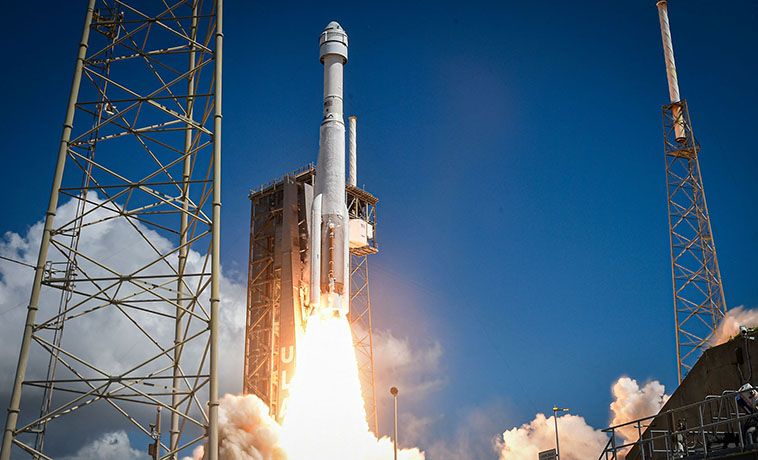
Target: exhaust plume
(579,440)
(730,325)
(246,431)
(631,402)
(324,419)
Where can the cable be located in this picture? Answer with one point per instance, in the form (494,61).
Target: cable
(17,262)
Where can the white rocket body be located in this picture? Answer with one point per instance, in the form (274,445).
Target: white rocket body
(330,288)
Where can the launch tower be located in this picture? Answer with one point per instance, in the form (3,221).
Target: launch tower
(699,303)
(278,273)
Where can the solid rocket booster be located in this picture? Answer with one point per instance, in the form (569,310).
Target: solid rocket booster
(330,289)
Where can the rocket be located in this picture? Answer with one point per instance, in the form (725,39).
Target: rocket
(329,240)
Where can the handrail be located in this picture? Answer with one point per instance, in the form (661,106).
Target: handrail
(719,420)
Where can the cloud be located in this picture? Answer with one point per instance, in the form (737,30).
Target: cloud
(632,402)
(246,431)
(474,438)
(118,344)
(414,368)
(109,446)
(579,441)
(730,325)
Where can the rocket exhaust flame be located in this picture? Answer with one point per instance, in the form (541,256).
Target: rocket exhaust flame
(325,414)
(325,417)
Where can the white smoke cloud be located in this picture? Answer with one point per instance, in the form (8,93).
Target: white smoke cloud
(115,242)
(109,446)
(730,325)
(246,431)
(632,402)
(579,440)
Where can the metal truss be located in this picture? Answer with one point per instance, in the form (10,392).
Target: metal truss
(263,300)
(699,303)
(270,326)
(360,320)
(362,205)
(131,328)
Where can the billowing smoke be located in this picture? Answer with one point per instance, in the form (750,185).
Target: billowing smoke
(730,325)
(246,431)
(632,402)
(579,440)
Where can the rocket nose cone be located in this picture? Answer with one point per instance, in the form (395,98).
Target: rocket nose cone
(334,25)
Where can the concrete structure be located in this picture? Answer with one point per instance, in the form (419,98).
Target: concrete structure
(703,417)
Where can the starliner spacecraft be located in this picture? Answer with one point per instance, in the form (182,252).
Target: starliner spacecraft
(329,290)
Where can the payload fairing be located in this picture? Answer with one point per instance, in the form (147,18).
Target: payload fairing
(329,290)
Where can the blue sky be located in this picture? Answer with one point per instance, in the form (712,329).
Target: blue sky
(516,150)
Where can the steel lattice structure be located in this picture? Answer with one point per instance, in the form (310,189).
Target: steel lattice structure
(277,274)
(130,328)
(699,303)
(362,205)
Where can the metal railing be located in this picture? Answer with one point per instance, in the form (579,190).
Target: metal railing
(708,429)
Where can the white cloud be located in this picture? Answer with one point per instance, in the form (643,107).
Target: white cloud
(246,431)
(579,441)
(730,325)
(105,337)
(109,446)
(632,402)
(414,368)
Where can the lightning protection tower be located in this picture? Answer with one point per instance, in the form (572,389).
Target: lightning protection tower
(699,303)
(123,315)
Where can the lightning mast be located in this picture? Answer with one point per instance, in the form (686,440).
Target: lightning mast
(131,328)
(699,303)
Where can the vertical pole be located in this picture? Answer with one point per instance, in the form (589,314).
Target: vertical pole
(393,392)
(375,418)
(31,313)
(216,241)
(183,249)
(557,442)
(157,434)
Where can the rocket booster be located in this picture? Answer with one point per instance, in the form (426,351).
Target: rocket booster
(330,289)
